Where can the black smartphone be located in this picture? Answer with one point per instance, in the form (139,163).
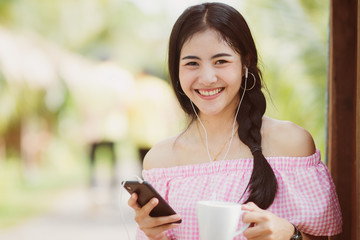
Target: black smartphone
(145,193)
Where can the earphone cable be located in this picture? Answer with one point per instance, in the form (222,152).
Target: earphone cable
(120,205)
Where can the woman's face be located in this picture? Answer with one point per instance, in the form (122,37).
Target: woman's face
(210,73)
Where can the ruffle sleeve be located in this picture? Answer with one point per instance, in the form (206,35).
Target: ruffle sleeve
(306,195)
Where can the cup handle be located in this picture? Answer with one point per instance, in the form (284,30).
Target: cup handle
(243,228)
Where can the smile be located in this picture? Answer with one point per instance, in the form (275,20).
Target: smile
(209,92)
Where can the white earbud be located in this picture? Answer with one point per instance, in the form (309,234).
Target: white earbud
(246,72)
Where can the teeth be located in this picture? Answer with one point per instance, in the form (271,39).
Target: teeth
(210,93)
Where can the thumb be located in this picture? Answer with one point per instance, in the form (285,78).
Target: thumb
(250,206)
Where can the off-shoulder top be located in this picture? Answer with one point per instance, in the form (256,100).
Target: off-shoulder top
(306,194)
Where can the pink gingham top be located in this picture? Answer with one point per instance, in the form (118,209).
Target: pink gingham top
(306,195)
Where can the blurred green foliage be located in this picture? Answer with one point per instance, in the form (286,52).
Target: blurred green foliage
(292,41)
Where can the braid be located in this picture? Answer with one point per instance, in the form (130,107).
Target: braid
(262,184)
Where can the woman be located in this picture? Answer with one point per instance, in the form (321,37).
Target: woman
(230,150)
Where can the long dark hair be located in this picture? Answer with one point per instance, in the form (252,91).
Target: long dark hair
(231,25)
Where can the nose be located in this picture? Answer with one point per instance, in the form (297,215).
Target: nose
(207,75)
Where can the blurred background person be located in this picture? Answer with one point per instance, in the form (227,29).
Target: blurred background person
(154,114)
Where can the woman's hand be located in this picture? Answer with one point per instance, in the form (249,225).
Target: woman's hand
(266,225)
(153,227)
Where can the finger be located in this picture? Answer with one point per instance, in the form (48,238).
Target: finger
(253,213)
(253,217)
(148,207)
(250,206)
(154,232)
(133,202)
(168,226)
(155,222)
(252,233)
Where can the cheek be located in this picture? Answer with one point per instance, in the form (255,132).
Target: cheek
(186,79)
(237,83)
(235,76)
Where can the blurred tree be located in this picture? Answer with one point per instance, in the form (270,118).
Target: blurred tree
(100,29)
(291,37)
(292,41)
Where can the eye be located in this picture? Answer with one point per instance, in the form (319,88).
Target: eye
(192,64)
(220,62)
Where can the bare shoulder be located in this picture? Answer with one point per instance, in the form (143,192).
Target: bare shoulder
(159,155)
(284,138)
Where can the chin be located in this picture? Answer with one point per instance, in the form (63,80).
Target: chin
(210,112)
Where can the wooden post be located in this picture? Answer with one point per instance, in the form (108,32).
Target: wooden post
(343,120)
(357,143)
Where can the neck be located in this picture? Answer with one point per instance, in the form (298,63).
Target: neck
(221,123)
(210,145)
(213,122)
(217,127)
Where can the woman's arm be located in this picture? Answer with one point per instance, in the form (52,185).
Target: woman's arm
(267,225)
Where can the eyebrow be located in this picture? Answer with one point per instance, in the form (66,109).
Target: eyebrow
(190,57)
(213,57)
(221,55)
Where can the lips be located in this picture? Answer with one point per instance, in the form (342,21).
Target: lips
(209,92)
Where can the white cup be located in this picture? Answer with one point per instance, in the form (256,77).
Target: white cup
(219,220)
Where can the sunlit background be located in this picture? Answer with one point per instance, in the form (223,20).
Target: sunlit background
(87,79)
